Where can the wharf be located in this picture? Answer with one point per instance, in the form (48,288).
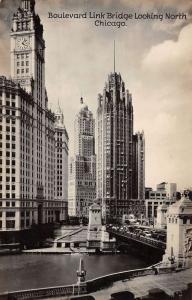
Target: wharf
(54,250)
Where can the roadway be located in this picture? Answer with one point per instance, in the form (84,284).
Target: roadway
(154,243)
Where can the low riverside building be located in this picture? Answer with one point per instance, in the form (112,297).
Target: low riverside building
(165,193)
(93,238)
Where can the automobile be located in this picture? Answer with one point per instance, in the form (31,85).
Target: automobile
(147,233)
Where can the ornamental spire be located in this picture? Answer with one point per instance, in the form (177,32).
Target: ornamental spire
(28,5)
(114,56)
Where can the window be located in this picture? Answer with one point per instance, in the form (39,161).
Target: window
(10,214)
(10,224)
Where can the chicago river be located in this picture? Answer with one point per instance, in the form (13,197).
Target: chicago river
(19,272)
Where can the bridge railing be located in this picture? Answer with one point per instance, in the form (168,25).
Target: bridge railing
(45,292)
(146,240)
(106,281)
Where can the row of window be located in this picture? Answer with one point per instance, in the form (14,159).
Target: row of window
(8,203)
(8,195)
(7,103)
(22,71)
(13,146)
(8,95)
(8,120)
(9,112)
(22,56)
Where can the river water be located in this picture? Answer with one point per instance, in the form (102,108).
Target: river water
(27,271)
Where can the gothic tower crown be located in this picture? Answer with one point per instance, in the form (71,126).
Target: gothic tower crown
(28,5)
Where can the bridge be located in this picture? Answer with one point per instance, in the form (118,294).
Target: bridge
(131,236)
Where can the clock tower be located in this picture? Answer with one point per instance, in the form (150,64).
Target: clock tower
(27,51)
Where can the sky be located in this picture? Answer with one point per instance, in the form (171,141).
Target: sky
(154,58)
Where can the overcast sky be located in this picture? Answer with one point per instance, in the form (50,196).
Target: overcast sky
(154,58)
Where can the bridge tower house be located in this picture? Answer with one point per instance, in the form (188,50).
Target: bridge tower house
(179,234)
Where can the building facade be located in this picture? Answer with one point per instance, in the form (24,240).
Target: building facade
(138,208)
(165,193)
(27,145)
(115,175)
(61,164)
(82,169)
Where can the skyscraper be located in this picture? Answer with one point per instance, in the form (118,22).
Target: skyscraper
(61,163)
(115,149)
(82,169)
(138,206)
(27,131)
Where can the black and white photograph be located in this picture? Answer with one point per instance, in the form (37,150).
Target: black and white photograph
(96,149)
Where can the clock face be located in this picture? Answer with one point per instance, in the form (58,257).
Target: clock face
(23,43)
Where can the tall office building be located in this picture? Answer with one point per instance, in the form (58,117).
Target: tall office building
(82,170)
(139,166)
(27,137)
(138,173)
(115,153)
(61,163)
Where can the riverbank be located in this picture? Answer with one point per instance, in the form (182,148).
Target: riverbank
(54,250)
(170,283)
